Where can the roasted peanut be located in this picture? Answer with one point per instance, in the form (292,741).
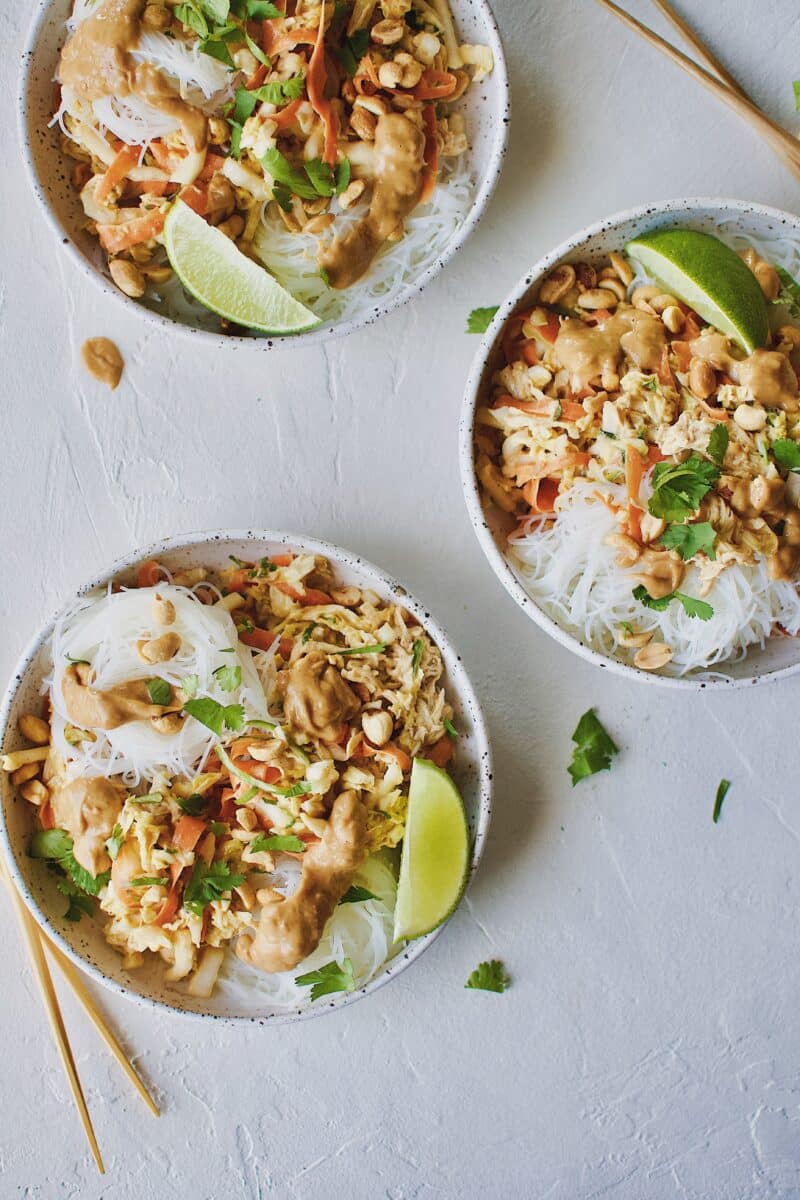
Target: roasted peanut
(557,284)
(34,729)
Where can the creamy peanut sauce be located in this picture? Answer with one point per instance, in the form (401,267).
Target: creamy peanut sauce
(103,360)
(89,708)
(316,698)
(88,810)
(97,61)
(770,377)
(591,352)
(288,930)
(713,348)
(398,163)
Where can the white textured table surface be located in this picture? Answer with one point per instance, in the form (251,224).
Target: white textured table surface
(649,1046)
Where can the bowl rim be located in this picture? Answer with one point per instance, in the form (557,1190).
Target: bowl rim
(318,335)
(469,406)
(466,692)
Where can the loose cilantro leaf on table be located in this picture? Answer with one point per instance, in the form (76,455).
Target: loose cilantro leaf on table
(489,977)
(159,691)
(330,978)
(689,540)
(692,607)
(207,883)
(594,749)
(480,319)
(678,488)
(722,792)
(228,678)
(718,443)
(287,843)
(787,454)
(355,894)
(215,716)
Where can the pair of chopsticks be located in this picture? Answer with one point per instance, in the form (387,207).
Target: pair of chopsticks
(715,78)
(36,942)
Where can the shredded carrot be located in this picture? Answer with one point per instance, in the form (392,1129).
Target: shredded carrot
(282,560)
(541,494)
(308,596)
(227,805)
(124,161)
(714,414)
(529,353)
(47,817)
(258,639)
(188,831)
(170,906)
(430,154)
(441,752)
(390,749)
(258,76)
(434,85)
(683,353)
(149,573)
(654,455)
(549,332)
(121,237)
(238,580)
(196,197)
(634,469)
(295,37)
(213,163)
(316,78)
(286,115)
(259,770)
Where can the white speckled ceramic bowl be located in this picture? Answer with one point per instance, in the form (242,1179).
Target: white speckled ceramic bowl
(486,107)
(781,656)
(84,942)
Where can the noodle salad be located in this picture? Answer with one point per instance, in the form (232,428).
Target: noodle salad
(644,468)
(319,138)
(226,756)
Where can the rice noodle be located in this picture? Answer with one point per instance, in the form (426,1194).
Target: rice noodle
(104,628)
(572,574)
(362,932)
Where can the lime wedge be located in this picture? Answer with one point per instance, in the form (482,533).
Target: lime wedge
(433,869)
(710,277)
(223,279)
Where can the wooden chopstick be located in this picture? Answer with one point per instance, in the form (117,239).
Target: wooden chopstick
(781,142)
(33,943)
(83,994)
(711,61)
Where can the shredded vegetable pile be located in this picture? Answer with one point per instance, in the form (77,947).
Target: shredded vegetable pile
(217,745)
(645,470)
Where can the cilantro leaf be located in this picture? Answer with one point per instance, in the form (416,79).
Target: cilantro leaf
(189,685)
(78,904)
(328,979)
(355,894)
(236,140)
(189,14)
(343,172)
(353,50)
(480,319)
(114,843)
(216,48)
(262,10)
(416,657)
(159,691)
(718,443)
(255,49)
(215,716)
(243,107)
(56,846)
(287,843)
(689,540)
(692,607)
(284,173)
(92,884)
(228,678)
(678,488)
(143,881)
(217,11)
(594,748)
(722,791)
(787,454)
(489,977)
(192,805)
(208,883)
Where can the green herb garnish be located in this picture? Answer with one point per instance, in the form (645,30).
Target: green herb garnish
(594,749)
(353,50)
(787,454)
(450,727)
(489,977)
(114,843)
(416,655)
(208,883)
(307,632)
(228,678)
(159,691)
(678,488)
(718,443)
(375,648)
(55,845)
(143,881)
(692,607)
(722,792)
(689,540)
(355,894)
(480,319)
(330,978)
(215,716)
(193,805)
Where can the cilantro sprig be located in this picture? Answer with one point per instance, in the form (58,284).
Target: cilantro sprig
(159,691)
(333,977)
(353,50)
(678,488)
(228,678)
(594,748)
(489,976)
(691,606)
(718,443)
(56,846)
(355,894)
(314,179)
(216,716)
(209,882)
(787,454)
(690,540)
(286,843)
